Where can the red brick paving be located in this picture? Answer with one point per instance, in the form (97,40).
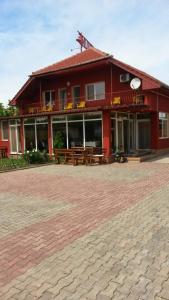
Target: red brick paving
(95,201)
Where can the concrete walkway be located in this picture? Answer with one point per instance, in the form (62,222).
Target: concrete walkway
(78,233)
(161,159)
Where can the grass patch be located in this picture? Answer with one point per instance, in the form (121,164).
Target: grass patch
(12,163)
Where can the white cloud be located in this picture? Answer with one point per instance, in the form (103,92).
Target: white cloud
(35,34)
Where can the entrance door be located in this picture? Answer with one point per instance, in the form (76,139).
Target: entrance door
(122,130)
(120,134)
(123,134)
(143,134)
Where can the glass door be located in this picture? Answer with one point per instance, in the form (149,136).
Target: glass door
(126,136)
(143,134)
(15,139)
(131,135)
(76,95)
(120,134)
(62,98)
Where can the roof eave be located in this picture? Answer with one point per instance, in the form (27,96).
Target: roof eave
(156,83)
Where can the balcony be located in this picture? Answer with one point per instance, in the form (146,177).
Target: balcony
(115,100)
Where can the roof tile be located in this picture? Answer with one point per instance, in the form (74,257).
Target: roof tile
(89,55)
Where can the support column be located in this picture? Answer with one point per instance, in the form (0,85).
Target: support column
(107,143)
(50,144)
(154,130)
(22,136)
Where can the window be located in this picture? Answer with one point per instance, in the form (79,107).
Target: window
(15,136)
(93,133)
(36,134)
(49,97)
(62,97)
(76,94)
(79,130)
(95,91)
(4,127)
(163,125)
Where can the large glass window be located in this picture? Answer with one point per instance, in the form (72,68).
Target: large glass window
(93,133)
(15,136)
(30,143)
(4,126)
(60,127)
(163,125)
(36,134)
(79,130)
(42,137)
(75,134)
(95,91)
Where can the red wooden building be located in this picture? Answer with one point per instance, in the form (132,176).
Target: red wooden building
(88,97)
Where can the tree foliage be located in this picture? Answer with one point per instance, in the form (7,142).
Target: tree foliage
(8,110)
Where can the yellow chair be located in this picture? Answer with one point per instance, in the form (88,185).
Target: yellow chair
(47,108)
(30,110)
(68,105)
(82,104)
(116,100)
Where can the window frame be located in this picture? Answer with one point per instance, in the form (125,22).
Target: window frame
(16,126)
(164,119)
(51,102)
(76,99)
(2,130)
(95,94)
(62,102)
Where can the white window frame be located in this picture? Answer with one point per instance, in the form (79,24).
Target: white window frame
(95,95)
(44,100)
(66,121)
(2,130)
(35,124)
(166,118)
(16,125)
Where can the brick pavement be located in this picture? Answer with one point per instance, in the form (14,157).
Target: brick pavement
(85,233)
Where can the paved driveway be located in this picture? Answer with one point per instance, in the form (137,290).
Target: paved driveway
(79,233)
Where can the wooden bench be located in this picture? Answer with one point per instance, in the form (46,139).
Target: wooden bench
(96,155)
(67,155)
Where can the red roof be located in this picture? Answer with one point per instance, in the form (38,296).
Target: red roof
(86,57)
(90,55)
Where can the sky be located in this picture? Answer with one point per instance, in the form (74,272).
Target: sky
(36,33)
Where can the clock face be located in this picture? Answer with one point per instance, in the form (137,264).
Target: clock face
(135,83)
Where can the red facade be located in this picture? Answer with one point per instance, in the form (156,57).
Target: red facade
(134,119)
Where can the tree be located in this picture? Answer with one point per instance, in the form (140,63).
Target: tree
(8,111)
(2,110)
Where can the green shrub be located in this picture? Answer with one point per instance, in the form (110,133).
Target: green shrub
(36,157)
(58,141)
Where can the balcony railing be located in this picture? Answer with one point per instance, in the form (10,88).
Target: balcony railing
(114,100)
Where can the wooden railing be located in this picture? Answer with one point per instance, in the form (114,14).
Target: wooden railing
(114,99)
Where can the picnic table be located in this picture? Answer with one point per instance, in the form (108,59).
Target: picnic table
(76,155)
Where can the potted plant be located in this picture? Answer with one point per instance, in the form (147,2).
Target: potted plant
(58,142)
